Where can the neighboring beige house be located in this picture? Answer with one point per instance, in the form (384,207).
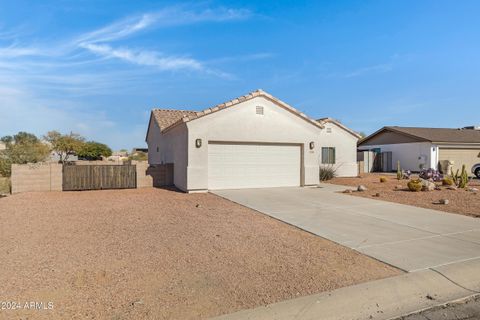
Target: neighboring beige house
(425,147)
(2,145)
(253,141)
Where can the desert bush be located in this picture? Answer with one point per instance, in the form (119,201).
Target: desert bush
(4,185)
(415,185)
(447,181)
(427,174)
(383,179)
(327,173)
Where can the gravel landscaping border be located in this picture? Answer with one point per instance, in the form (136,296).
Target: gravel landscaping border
(459,201)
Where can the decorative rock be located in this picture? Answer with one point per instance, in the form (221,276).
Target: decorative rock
(376,195)
(398,187)
(361,188)
(137,302)
(347,191)
(438,188)
(444,201)
(472,189)
(428,185)
(452,188)
(198,205)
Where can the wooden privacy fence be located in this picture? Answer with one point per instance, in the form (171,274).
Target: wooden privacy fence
(97,177)
(79,176)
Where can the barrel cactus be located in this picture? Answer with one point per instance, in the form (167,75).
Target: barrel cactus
(415,185)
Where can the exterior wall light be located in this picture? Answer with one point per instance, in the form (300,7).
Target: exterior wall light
(198,143)
(312,145)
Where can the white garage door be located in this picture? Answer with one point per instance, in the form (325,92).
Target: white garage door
(235,166)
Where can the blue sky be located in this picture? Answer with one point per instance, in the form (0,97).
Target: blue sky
(98,67)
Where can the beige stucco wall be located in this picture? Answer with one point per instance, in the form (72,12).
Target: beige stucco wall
(345,145)
(241,123)
(460,155)
(172,148)
(36,177)
(143,178)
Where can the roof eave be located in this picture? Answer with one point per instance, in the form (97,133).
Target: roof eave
(386,128)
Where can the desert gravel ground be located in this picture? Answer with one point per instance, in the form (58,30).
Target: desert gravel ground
(159,254)
(460,201)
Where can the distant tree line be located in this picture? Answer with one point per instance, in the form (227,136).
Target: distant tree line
(24,147)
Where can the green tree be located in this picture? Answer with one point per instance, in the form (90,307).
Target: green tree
(65,145)
(22,148)
(93,150)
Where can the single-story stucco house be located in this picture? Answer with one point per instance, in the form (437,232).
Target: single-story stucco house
(417,148)
(253,141)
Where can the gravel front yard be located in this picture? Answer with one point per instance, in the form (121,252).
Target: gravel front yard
(159,254)
(460,201)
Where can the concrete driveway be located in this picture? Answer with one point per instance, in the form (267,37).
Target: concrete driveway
(406,237)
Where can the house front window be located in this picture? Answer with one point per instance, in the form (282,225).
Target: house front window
(328,155)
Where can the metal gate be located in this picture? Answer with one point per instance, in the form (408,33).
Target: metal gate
(97,177)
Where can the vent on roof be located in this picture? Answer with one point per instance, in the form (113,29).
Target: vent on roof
(329,130)
(259,110)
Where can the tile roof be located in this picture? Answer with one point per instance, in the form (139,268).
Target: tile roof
(167,119)
(447,135)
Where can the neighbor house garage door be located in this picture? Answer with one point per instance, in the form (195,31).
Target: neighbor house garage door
(467,157)
(232,166)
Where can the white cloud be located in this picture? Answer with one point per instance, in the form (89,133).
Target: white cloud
(98,41)
(145,58)
(15,52)
(47,84)
(117,30)
(168,17)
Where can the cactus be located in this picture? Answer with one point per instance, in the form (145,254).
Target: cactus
(463,179)
(399,171)
(415,185)
(460,178)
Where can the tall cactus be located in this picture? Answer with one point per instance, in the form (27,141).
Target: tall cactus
(463,178)
(460,178)
(399,171)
